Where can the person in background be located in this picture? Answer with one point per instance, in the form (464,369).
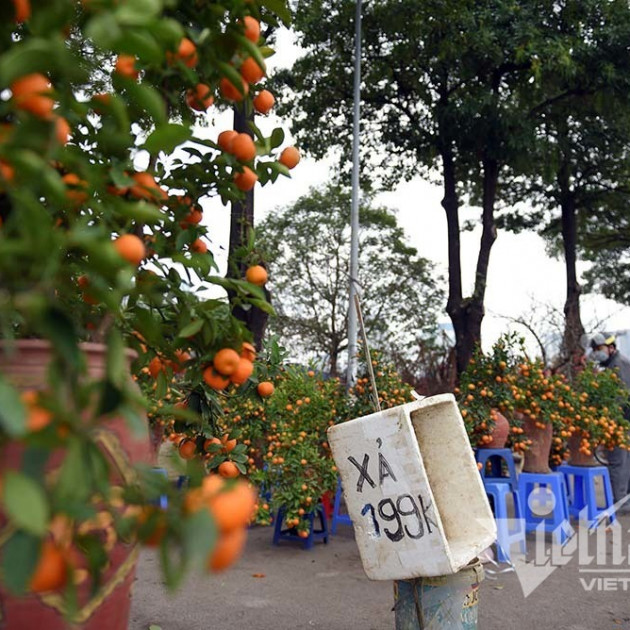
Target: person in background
(604,352)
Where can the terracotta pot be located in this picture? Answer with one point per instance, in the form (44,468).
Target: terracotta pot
(156,433)
(499,433)
(576,458)
(109,607)
(536,457)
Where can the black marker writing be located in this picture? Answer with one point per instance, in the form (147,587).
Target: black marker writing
(363,472)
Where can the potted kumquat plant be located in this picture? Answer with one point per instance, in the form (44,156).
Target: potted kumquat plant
(485,397)
(595,415)
(103,259)
(540,402)
(551,419)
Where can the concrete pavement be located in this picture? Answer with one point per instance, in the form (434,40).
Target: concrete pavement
(326,588)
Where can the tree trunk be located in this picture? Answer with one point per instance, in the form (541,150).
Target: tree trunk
(573,329)
(467,313)
(334,355)
(241,222)
(450,203)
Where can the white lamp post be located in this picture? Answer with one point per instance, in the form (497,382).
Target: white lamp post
(351,375)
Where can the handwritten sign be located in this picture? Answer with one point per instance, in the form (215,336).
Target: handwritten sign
(400,507)
(393,509)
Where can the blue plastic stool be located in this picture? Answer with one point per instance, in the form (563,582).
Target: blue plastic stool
(506,536)
(337,517)
(496,457)
(290,533)
(554,514)
(581,492)
(162,501)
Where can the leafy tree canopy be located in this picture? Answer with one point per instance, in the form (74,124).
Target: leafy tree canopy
(308,245)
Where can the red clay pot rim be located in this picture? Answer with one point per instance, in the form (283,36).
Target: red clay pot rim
(89,347)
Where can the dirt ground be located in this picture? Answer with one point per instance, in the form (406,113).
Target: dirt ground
(286,587)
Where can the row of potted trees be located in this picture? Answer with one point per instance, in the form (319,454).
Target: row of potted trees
(506,397)
(280,439)
(104,264)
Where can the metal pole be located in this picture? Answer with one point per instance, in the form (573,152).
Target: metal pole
(351,375)
(449,602)
(368,357)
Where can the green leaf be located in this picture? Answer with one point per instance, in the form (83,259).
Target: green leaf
(73,482)
(167,137)
(94,550)
(120,177)
(263,305)
(239,286)
(277,138)
(147,326)
(19,558)
(280,8)
(138,12)
(57,326)
(103,30)
(267,51)
(172,564)
(199,533)
(201,263)
(12,411)
(232,74)
(141,44)
(102,259)
(214,462)
(34,461)
(191,329)
(141,211)
(253,50)
(168,31)
(98,466)
(148,99)
(28,161)
(116,362)
(25,503)
(32,55)
(161,385)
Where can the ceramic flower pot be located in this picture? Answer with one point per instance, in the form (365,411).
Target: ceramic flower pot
(576,457)
(109,606)
(536,457)
(500,431)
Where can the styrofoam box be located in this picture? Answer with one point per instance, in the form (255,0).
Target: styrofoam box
(413,490)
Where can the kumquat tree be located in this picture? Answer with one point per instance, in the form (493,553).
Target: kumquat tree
(275,430)
(580,415)
(104,173)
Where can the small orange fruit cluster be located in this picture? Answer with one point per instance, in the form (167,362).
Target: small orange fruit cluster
(228,366)
(32,94)
(177,365)
(189,448)
(252,70)
(52,569)
(231,506)
(37,417)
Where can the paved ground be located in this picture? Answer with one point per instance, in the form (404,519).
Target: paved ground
(326,588)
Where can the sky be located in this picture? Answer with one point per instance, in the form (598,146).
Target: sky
(523,281)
